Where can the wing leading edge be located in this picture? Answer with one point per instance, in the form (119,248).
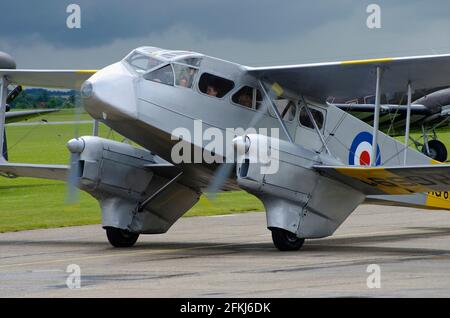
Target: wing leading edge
(63,79)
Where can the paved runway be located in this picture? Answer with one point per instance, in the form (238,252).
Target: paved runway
(233,256)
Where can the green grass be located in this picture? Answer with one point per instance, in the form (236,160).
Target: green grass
(27,203)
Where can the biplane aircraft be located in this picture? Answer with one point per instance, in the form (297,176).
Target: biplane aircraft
(6,62)
(327,161)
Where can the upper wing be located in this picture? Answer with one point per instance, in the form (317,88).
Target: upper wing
(69,79)
(12,117)
(392,180)
(358,78)
(52,172)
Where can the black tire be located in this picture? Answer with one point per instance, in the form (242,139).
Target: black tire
(285,240)
(438,151)
(121,238)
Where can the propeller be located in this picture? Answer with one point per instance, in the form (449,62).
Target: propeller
(224,171)
(75,146)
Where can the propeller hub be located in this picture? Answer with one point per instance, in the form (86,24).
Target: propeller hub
(87,89)
(242,144)
(75,145)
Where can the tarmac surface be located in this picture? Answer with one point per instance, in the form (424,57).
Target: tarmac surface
(233,256)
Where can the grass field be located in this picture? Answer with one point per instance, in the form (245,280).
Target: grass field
(27,203)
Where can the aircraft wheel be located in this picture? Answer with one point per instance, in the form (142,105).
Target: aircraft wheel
(285,240)
(121,238)
(438,151)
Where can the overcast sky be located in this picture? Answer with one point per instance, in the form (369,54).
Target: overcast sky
(253,32)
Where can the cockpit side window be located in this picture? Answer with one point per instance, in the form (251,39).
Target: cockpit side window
(142,63)
(184,75)
(306,121)
(286,108)
(163,75)
(248,96)
(214,86)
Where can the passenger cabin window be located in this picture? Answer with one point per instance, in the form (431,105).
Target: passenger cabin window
(163,75)
(248,96)
(286,108)
(306,121)
(215,86)
(184,75)
(142,63)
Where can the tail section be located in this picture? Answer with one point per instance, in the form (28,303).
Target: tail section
(421,182)
(350,140)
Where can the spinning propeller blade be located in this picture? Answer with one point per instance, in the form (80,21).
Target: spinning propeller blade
(75,147)
(224,171)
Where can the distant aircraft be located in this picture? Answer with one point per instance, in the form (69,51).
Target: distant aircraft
(328,162)
(6,62)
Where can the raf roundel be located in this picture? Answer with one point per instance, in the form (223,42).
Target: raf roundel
(361,150)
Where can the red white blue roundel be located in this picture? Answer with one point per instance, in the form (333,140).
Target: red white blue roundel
(361,150)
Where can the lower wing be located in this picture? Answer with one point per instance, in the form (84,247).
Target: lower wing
(51,172)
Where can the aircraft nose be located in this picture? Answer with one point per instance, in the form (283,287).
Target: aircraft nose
(109,94)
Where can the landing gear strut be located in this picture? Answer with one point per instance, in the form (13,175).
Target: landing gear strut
(285,240)
(121,238)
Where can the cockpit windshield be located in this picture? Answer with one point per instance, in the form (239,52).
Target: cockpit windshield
(142,63)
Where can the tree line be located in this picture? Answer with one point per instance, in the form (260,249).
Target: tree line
(36,98)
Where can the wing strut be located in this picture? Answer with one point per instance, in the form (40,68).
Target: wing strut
(3,97)
(408,121)
(319,133)
(376,119)
(276,112)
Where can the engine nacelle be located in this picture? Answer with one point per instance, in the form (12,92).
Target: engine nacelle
(296,197)
(114,168)
(121,176)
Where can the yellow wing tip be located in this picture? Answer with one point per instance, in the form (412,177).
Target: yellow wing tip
(86,71)
(367,61)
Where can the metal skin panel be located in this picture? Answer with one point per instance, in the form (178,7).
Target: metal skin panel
(329,205)
(157,218)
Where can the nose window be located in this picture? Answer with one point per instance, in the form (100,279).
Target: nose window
(163,75)
(142,63)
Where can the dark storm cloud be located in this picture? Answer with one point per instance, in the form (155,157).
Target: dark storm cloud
(253,32)
(106,20)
